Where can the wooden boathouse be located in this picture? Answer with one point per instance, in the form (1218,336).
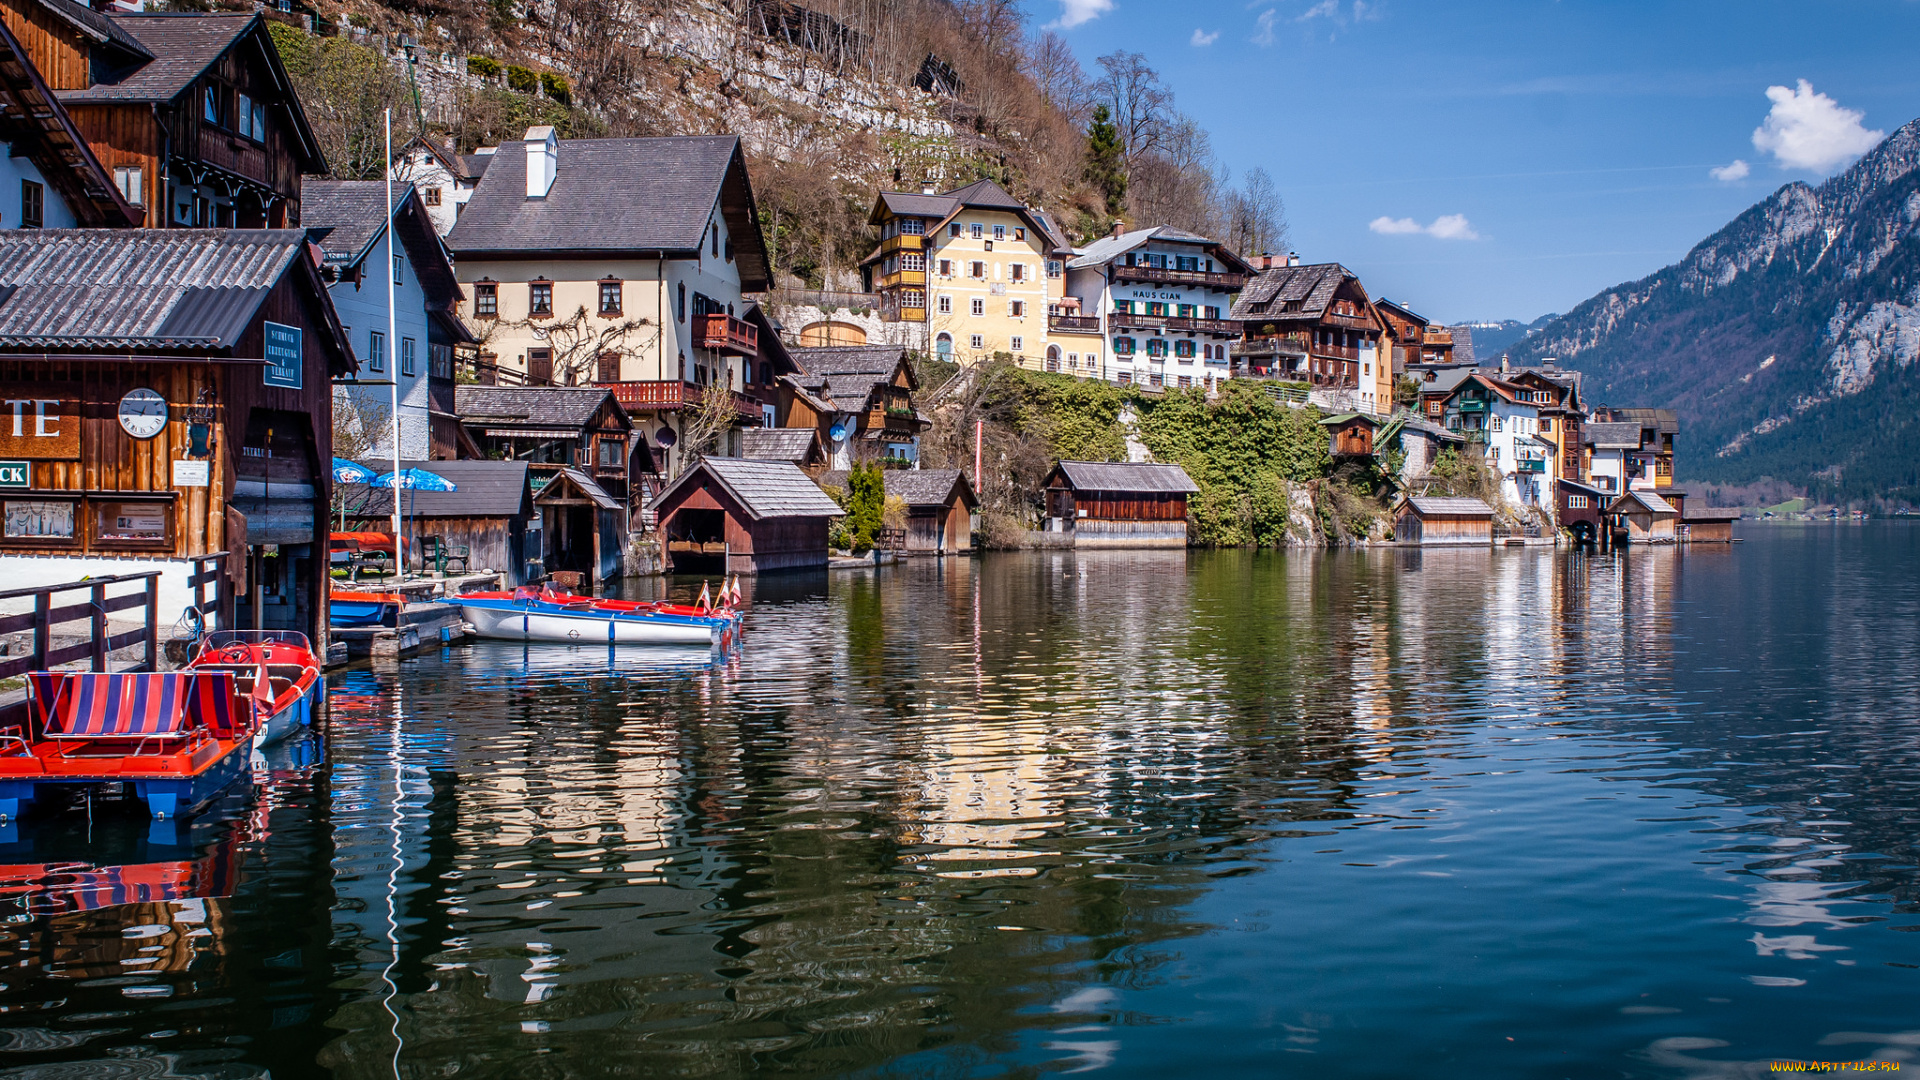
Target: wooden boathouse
(1443,521)
(1642,517)
(940,506)
(742,516)
(489,515)
(168,395)
(1118,503)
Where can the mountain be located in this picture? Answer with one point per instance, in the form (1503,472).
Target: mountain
(1491,337)
(1786,340)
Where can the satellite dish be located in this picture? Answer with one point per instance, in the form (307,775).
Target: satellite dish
(665,437)
(837,432)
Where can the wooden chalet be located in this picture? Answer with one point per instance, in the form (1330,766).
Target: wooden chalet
(1443,521)
(1417,342)
(171,392)
(736,516)
(1653,458)
(940,506)
(1642,517)
(1707,524)
(1351,434)
(1580,508)
(490,513)
(192,115)
(1314,324)
(1119,504)
(858,398)
(584,527)
(561,427)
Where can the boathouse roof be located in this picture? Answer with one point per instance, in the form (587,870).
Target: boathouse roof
(915,487)
(798,445)
(1125,476)
(481,489)
(764,489)
(1436,506)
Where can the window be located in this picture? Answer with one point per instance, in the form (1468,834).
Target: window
(979,306)
(1210,312)
(1017,272)
(1186,381)
(953,230)
(1155,307)
(1156,379)
(1186,311)
(977,269)
(946,305)
(999,232)
(33,205)
(1123,307)
(610,297)
(131,183)
(1156,346)
(243,114)
(131,522)
(913,260)
(716,239)
(376,351)
(540,298)
(1017,308)
(399,265)
(974,230)
(486,299)
(210,104)
(1018,344)
(1123,346)
(1053,268)
(1126,378)
(978,342)
(406,356)
(37,520)
(1576,502)
(680,307)
(439,361)
(430,196)
(612,453)
(1546,424)
(946,267)
(913,298)
(989,245)
(1433,408)
(1183,349)
(1498,424)
(912,227)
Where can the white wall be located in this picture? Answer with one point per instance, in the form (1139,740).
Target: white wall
(363,312)
(12,171)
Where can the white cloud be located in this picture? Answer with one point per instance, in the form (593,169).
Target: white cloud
(1811,131)
(1202,39)
(1727,174)
(1075,12)
(1444,227)
(1266,20)
(1324,9)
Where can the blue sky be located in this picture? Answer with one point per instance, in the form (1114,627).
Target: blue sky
(1543,150)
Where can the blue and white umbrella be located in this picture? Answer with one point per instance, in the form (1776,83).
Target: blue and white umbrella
(415,480)
(350,472)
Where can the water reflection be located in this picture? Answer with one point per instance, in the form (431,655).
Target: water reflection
(1145,813)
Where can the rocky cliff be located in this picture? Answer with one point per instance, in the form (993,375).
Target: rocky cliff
(1786,339)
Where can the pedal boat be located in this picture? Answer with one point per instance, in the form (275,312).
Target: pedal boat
(351,608)
(292,671)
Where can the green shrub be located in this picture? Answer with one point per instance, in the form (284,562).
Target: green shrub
(555,86)
(866,505)
(1241,449)
(484,66)
(521,79)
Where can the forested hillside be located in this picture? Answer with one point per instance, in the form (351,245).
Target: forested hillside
(834,100)
(1786,340)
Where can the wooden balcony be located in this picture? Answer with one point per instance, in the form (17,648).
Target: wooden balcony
(671,395)
(1074,324)
(901,277)
(903,242)
(1223,282)
(891,420)
(1174,323)
(724,333)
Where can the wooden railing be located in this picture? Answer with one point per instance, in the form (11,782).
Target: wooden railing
(724,333)
(1087,324)
(1227,282)
(1128,320)
(668,395)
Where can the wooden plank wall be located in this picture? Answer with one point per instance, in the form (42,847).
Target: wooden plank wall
(122,136)
(53,44)
(1130,506)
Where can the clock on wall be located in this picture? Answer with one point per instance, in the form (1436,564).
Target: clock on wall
(143,413)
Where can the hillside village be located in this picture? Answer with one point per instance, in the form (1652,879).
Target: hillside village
(583,340)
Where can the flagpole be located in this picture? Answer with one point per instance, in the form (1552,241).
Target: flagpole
(393,364)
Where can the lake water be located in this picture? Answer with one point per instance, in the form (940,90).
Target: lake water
(1347,814)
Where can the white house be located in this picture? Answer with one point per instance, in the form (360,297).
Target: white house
(1505,421)
(346,219)
(1161,298)
(1610,446)
(444,179)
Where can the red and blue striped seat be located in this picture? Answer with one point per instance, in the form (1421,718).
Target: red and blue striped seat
(142,705)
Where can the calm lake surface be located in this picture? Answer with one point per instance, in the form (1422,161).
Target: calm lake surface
(1349,814)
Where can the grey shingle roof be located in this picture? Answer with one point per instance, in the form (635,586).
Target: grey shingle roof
(561,407)
(984,194)
(482,489)
(1611,436)
(779,444)
(1449,506)
(1462,344)
(617,195)
(1269,290)
(182,47)
(1665,421)
(347,216)
(907,204)
(138,288)
(845,376)
(765,489)
(93,24)
(1647,499)
(476,164)
(586,486)
(1126,476)
(915,487)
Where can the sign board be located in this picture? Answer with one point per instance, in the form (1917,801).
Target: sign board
(284,356)
(15,474)
(40,420)
(191,473)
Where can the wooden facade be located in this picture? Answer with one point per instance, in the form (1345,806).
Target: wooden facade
(733,516)
(1118,504)
(1443,522)
(1350,434)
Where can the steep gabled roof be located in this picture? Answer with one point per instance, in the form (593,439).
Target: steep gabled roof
(845,376)
(34,123)
(1611,436)
(1125,476)
(982,195)
(1432,506)
(1108,248)
(146,290)
(564,409)
(915,487)
(798,445)
(764,489)
(580,482)
(346,220)
(1647,500)
(1403,311)
(618,196)
(95,27)
(1313,285)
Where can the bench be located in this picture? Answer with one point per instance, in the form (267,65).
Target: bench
(442,554)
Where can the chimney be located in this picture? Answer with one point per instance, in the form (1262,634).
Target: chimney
(1118,228)
(543,161)
(1293,258)
(1503,363)
(927,188)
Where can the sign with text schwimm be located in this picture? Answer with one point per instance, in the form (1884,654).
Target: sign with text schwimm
(283,356)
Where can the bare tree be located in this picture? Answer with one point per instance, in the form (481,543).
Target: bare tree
(704,424)
(1256,216)
(1057,72)
(580,340)
(1141,104)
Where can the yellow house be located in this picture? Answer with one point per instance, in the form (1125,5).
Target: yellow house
(980,268)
